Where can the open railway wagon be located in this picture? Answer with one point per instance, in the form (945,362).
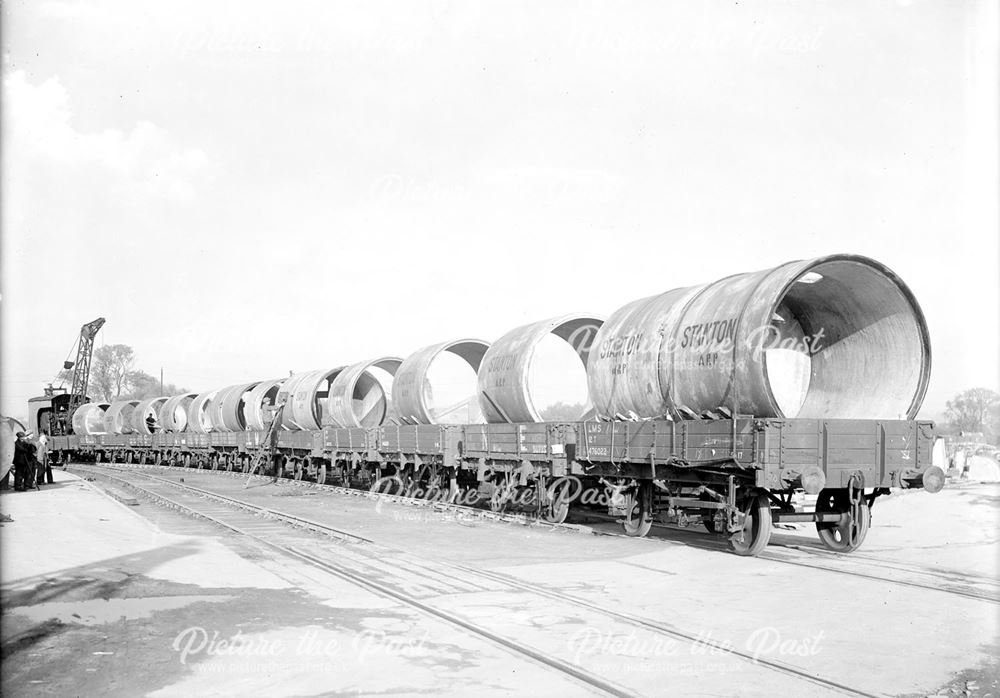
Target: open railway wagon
(711,405)
(735,477)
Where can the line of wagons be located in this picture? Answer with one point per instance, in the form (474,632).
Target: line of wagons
(830,355)
(735,477)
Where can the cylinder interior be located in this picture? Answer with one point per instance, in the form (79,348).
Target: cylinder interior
(118,417)
(322,392)
(89,419)
(557,384)
(845,338)
(368,400)
(449,389)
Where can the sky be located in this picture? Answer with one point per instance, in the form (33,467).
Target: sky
(245,188)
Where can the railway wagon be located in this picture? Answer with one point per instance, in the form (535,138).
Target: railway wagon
(710,405)
(735,477)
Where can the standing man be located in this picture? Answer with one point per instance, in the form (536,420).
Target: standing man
(32,474)
(44,467)
(22,454)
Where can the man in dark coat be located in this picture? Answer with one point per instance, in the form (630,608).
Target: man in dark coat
(24,457)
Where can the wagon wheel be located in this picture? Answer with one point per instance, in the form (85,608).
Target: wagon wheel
(433,491)
(414,481)
(847,535)
(558,506)
(756,532)
(639,519)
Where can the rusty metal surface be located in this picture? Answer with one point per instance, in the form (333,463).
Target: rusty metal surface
(265,392)
(147,408)
(173,414)
(118,417)
(304,395)
(833,337)
(357,399)
(409,396)
(198,421)
(504,394)
(89,419)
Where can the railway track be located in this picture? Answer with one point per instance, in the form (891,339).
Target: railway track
(854,564)
(413,582)
(948,583)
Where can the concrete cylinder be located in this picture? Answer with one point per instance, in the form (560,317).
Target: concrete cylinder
(226,409)
(143,411)
(305,396)
(412,392)
(118,417)
(265,393)
(8,435)
(89,419)
(173,414)
(833,337)
(504,391)
(357,398)
(198,419)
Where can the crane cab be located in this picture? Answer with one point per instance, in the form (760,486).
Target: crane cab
(50,412)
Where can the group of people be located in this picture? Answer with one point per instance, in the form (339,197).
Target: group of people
(31,462)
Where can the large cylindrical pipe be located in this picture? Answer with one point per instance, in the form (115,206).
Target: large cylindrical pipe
(304,395)
(173,414)
(8,435)
(504,390)
(198,419)
(147,414)
(411,385)
(265,393)
(357,398)
(833,337)
(226,410)
(89,419)
(118,417)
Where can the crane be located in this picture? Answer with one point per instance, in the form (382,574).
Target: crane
(81,375)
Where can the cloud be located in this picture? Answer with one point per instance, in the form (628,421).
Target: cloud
(45,153)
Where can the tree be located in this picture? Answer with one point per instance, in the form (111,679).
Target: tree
(113,376)
(143,386)
(562,412)
(110,369)
(976,410)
